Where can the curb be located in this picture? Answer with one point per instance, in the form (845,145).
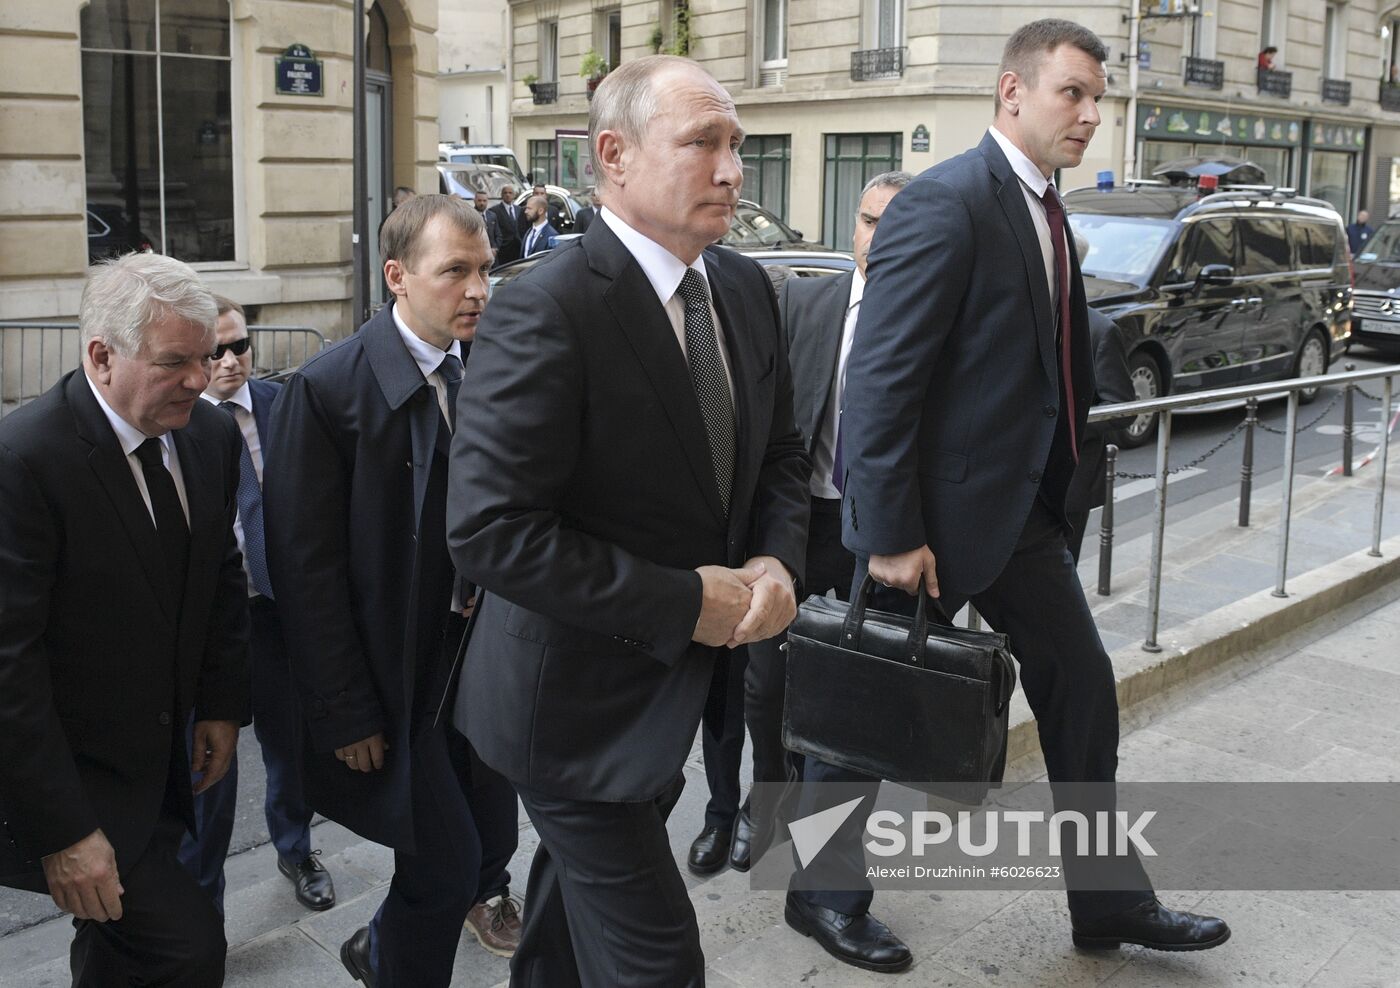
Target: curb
(1203,645)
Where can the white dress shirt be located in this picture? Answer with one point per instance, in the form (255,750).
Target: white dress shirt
(824,450)
(428,358)
(665,270)
(130,437)
(1033,185)
(248,425)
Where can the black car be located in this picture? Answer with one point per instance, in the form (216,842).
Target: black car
(1375,319)
(111,234)
(1215,290)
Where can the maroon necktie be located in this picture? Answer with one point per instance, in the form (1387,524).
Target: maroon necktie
(1055,215)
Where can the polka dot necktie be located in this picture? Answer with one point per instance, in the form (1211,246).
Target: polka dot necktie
(707,375)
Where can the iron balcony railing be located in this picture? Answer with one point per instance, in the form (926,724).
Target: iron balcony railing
(1276,82)
(1336,91)
(1390,96)
(34,355)
(545,92)
(1207,72)
(877,63)
(1250,394)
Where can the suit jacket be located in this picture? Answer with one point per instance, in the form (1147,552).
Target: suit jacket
(584,217)
(348,496)
(1112,384)
(583,497)
(101,659)
(952,401)
(508,229)
(493,228)
(543,242)
(814,314)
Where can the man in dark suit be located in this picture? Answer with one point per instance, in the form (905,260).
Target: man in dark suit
(539,235)
(356,489)
(510,224)
(125,608)
(966,393)
(819,320)
(276,720)
(493,231)
(631,497)
(587,213)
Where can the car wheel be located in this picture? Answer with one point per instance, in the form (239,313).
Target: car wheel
(1312,361)
(1146,375)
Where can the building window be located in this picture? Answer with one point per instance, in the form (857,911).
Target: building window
(1330,178)
(1203,29)
(767,159)
(885,24)
(1277,163)
(851,161)
(610,37)
(158,126)
(543,161)
(549,51)
(772,26)
(1334,42)
(1273,30)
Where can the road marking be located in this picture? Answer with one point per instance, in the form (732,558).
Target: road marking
(1121,492)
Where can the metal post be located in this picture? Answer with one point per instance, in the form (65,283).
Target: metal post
(1290,441)
(1251,418)
(1384,458)
(359,244)
(1106,521)
(1348,390)
(1159,531)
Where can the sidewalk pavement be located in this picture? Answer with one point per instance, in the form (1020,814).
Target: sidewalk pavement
(1247,687)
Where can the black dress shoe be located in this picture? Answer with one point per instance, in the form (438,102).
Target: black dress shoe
(709,851)
(1152,925)
(354,954)
(860,941)
(315,890)
(739,847)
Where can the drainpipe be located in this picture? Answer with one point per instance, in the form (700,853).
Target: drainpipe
(1130,136)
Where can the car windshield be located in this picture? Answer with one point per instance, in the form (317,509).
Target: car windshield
(1122,248)
(466,182)
(754,227)
(1385,245)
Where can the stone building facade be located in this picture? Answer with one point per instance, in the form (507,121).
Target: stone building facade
(171,123)
(834,91)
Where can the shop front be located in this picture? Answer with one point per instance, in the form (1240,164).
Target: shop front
(1166,132)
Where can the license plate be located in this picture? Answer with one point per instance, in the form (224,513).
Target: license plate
(1376,326)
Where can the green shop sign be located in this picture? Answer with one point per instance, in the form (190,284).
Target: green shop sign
(1344,137)
(1175,123)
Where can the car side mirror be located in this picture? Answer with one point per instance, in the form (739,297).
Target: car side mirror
(1215,274)
(798,234)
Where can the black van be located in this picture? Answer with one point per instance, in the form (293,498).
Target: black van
(1233,287)
(1376,318)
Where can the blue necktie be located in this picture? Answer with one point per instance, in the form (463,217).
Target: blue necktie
(451,371)
(250,512)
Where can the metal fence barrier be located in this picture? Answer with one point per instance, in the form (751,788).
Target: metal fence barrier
(34,355)
(1251,393)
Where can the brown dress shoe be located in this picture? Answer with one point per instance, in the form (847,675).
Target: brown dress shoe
(496,925)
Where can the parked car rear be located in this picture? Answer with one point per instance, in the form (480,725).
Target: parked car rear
(1375,319)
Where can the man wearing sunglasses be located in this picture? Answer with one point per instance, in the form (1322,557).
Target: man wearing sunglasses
(248,400)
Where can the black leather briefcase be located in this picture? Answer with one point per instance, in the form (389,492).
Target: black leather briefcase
(898,698)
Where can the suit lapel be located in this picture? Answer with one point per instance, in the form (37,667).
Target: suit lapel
(1013,204)
(729,305)
(114,474)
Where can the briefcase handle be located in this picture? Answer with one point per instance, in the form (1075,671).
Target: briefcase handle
(918,630)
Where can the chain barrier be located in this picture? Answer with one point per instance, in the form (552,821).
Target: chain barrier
(1229,437)
(1304,428)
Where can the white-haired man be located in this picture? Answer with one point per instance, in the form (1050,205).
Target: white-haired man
(123,608)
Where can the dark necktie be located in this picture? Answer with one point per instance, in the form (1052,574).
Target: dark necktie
(1055,216)
(250,512)
(171,528)
(707,375)
(450,370)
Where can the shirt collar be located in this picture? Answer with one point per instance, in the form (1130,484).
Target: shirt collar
(541,222)
(857,290)
(1024,168)
(663,269)
(243,398)
(127,434)
(424,354)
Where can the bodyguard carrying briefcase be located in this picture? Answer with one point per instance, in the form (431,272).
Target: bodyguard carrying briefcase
(898,698)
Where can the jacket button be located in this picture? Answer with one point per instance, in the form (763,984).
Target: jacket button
(164,719)
(1035,476)
(1049,411)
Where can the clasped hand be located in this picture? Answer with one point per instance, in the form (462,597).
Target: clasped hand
(744,605)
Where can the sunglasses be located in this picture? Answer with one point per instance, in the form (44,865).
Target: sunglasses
(237,347)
